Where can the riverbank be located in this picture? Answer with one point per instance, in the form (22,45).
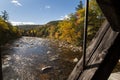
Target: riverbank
(33,58)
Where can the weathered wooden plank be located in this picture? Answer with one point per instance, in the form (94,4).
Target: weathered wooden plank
(78,68)
(101,71)
(109,62)
(111,9)
(96,53)
(1,65)
(114,76)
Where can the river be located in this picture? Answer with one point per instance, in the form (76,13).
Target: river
(32,58)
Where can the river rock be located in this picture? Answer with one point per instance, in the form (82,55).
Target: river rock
(32,44)
(9,58)
(53,58)
(6,58)
(75,60)
(5,65)
(17,45)
(48,52)
(46,69)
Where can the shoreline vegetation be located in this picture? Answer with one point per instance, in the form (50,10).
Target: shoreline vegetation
(69,29)
(8,32)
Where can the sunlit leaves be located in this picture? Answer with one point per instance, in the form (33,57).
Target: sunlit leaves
(3,26)
(71,29)
(69,32)
(7,31)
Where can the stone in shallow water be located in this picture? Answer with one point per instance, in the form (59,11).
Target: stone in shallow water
(48,52)
(55,57)
(46,69)
(75,60)
(17,45)
(7,57)
(5,66)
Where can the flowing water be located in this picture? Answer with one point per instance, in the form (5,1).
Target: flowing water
(32,58)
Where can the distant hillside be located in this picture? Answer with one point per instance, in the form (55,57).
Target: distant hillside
(28,27)
(53,22)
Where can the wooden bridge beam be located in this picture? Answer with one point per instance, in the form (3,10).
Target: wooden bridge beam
(1,78)
(102,55)
(109,62)
(104,50)
(111,9)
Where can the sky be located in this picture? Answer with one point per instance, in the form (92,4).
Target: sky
(37,11)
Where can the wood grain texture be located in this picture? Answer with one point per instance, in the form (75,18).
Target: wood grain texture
(96,56)
(111,9)
(115,76)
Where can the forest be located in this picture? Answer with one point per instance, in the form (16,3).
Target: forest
(71,29)
(7,31)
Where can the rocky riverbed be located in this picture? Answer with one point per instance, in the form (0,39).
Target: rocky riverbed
(32,58)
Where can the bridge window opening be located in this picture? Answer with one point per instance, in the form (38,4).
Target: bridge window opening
(46,51)
(92,22)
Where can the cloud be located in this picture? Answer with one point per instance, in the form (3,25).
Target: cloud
(47,7)
(16,2)
(64,17)
(22,23)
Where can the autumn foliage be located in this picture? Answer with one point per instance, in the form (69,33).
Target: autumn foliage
(71,29)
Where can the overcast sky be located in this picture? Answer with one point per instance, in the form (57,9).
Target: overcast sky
(37,11)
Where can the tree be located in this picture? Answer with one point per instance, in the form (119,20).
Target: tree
(80,6)
(67,31)
(5,15)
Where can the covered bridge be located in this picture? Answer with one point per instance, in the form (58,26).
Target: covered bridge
(104,51)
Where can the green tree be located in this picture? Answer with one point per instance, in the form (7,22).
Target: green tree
(80,6)
(7,32)
(4,15)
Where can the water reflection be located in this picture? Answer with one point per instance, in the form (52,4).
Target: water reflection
(31,58)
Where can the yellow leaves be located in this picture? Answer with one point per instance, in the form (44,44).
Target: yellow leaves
(7,32)
(68,32)
(52,30)
(80,16)
(14,29)
(80,20)
(3,26)
(65,25)
(31,31)
(56,35)
(80,13)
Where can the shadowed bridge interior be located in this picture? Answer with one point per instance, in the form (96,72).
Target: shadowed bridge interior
(104,51)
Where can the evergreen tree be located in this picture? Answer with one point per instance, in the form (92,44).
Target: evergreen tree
(80,6)
(4,15)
